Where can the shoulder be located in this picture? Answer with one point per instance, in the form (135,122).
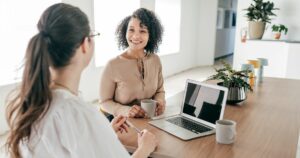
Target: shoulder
(112,62)
(154,58)
(68,120)
(110,66)
(64,100)
(118,62)
(69,112)
(153,55)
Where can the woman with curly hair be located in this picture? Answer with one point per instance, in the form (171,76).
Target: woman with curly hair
(136,74)
(47,118)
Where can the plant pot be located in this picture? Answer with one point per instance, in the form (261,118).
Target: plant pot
(256,29)
(277,35)
(236,95)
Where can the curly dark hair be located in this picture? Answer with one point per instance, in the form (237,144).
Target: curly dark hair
(148,19)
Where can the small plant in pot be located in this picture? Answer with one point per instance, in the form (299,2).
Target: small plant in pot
(234,80)
(258,14)
(277,29)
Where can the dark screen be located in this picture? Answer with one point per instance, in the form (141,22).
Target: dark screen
(203,102)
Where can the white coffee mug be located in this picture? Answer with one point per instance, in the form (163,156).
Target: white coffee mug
(149,106)
(225,131)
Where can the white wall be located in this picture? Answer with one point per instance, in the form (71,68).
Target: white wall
(225,40)
(207,31)
(196,47)
(4,90)
(288,15)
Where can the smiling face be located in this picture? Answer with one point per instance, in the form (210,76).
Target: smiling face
(137,35)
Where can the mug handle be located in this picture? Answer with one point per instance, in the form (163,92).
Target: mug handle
(233,133)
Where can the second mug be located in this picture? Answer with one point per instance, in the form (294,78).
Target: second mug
(225,131)
(149,106)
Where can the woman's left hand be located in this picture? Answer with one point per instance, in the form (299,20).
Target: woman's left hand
(119,124)
(161,105)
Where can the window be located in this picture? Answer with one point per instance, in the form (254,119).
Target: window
(18,20)
(107,15)
(171,39)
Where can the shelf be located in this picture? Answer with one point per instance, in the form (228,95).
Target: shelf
(274,40)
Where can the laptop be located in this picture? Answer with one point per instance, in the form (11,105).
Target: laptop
(203,104)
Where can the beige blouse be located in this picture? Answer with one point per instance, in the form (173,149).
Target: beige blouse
(122,84)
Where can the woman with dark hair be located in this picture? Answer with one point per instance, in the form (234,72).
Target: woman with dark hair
(136,74)
(46,116)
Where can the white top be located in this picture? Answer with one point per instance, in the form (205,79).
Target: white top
(71,128)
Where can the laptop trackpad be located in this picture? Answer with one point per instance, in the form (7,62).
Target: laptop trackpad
(174,129)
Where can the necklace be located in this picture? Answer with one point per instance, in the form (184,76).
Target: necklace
(65,87)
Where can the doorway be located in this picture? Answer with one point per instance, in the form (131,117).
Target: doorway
(225,30)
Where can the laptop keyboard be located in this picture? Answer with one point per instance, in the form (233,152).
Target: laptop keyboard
(189,125)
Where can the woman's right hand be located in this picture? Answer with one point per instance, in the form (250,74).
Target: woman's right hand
(147,142)
(136,111)
(119,124)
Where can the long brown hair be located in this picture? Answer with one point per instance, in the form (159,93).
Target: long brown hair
(62,28)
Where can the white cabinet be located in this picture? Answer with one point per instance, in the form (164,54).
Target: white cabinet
(293,61)
(284,57)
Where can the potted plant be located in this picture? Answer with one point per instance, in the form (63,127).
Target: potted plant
(234,80)
(278,29)
(258,15)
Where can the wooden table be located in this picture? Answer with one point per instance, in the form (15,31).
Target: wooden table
(267,126)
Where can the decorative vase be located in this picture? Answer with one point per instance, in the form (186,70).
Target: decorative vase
(263,62)
(256,29)
(235,94)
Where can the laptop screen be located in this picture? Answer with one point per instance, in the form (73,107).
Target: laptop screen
(203,102)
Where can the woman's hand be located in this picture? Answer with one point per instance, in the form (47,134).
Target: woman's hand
(160,107)
(136,111)
(147,141)
(119,124)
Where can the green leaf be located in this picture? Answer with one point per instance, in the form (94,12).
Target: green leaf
(279,28)
(260,11)
(231,77)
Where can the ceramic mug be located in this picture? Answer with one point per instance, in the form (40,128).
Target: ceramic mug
(225,131)
(149,106)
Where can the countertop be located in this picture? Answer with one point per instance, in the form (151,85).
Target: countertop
(273,40)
